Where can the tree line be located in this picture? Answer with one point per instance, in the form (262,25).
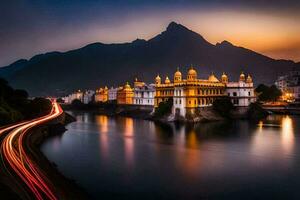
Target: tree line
(15,105)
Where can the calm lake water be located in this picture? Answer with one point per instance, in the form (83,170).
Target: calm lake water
(125,158)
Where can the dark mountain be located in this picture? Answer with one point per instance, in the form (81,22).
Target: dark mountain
(8,71)
(101,64)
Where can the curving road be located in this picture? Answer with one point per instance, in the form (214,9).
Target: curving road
(17,161)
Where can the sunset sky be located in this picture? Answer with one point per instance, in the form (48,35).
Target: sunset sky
(38,26)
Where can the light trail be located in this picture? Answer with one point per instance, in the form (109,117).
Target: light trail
(13,152)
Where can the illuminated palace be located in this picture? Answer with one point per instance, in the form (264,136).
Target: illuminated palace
(125,94)
(191,94)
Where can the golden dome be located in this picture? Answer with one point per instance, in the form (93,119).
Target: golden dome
(157,77)
(177,73)
(167,81)
(249,79)
(213,78)
(224,78)
(127,86)
(177,76)
(224,75)
(192,72)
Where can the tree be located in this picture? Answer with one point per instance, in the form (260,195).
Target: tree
(223,106)
(164,108)
(266,93)
(39,107)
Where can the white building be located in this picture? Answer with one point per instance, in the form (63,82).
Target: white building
(143,93)
(282,83)
(112,94)
(71,97)
(241,93)
(296,92)
(88,96)
(289,85)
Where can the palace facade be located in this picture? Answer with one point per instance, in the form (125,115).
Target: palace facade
(190,94)
(101,95)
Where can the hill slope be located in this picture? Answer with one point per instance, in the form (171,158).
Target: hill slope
(101,64)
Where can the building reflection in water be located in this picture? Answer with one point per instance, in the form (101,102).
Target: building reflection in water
(187,151)
(287,135)
(274,132)
(128,141)
(260,126)
(102,123)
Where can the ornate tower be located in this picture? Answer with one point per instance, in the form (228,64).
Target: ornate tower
(167,80)
(242,77)
(158,80)
(192,74)
(177,76)
(249,79)
(224,78)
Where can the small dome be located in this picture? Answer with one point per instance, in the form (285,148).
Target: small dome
(167,81)
(224,78)
(242,77)
(249,79)
(157,77)
(213,78)
(224,75)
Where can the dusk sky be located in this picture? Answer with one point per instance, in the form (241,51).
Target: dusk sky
(30,27)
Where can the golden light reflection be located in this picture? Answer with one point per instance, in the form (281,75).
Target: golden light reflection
(191,141)
(128,127)
(287,134)
(260,126)
(188,157)
(129,141)
(102,122)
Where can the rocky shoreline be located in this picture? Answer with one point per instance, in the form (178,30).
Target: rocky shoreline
(207,114)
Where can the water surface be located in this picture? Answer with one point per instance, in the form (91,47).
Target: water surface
(125,158)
